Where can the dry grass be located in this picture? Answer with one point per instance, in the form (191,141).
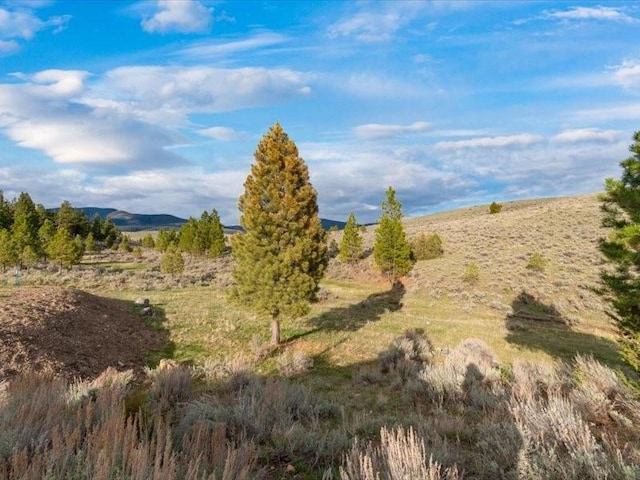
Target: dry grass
(485,408)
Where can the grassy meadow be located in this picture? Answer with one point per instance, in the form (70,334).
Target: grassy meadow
(508,373)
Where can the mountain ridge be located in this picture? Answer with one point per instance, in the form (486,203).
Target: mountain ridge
(133,222)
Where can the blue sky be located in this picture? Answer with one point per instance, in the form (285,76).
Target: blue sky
(157,106)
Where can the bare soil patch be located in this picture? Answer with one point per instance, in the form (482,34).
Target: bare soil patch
(70,333)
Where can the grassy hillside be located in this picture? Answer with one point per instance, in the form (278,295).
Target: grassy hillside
(478,381)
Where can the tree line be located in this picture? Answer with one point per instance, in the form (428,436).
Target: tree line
(30,234)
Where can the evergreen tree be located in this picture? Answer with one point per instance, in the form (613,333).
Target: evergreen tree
(6,213)
(90,243)
(215,234)
(8,251)
(25,227)
(392,251)
(74,220)
(97,226)
(282,255)
(109,233)
(621,285)
(188,237)
(63,250)
(46,233)
(351,244)
(166,238)
(172,261)
(148,241)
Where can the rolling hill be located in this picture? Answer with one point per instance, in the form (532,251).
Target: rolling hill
(133,222)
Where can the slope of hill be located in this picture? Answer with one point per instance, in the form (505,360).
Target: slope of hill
(131,222)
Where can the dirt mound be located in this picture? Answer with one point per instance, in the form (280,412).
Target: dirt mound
(70,333)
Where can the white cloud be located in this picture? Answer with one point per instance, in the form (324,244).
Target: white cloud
(157,93)
(628,73)
(373,131)
(581,135)
(21,23)
(522,140)
(591,13)
(624,111)
(181,16)
(210,48)
(46,113)
(224,134)
(8,46)
(367,26)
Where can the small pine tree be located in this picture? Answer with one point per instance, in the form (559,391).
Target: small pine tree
(282,255)
(172,261)
(148,241)
(215,232)
(392,251)
(63,250)
(427,247)
(495,208)
(351,244)
(90,243)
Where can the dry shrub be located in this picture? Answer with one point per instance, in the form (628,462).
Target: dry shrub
(170,386)
(427,247)
(557,443)
(294,363)
(45,435)
(471,273)
(406,355)
(282,419)
(401,455)
(604,401)
(468,375)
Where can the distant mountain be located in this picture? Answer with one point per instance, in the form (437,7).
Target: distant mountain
(132,222)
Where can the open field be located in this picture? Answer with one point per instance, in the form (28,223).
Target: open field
(514,313)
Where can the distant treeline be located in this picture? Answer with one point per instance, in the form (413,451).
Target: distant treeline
(30,234)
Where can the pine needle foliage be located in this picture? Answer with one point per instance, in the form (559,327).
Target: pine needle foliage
(282,255)
(351,243)
(621,284)
(392,251)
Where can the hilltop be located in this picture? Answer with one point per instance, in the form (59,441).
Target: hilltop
(134,222)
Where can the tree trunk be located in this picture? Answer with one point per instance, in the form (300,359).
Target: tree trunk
(275,331)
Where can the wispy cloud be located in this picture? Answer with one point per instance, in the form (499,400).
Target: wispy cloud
(215,48)
(373,131)
(224,134)
(161,94)
(178,16)
(521,140)
(19,22)
(591,13)
(582,135)
(627,73)
(377,22)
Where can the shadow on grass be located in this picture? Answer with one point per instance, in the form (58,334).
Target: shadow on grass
(354,317)
(536,326)
(164,347)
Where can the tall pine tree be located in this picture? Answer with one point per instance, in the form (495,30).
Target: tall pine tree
(392,251)
(351,243)
(621,206)
(282,255)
